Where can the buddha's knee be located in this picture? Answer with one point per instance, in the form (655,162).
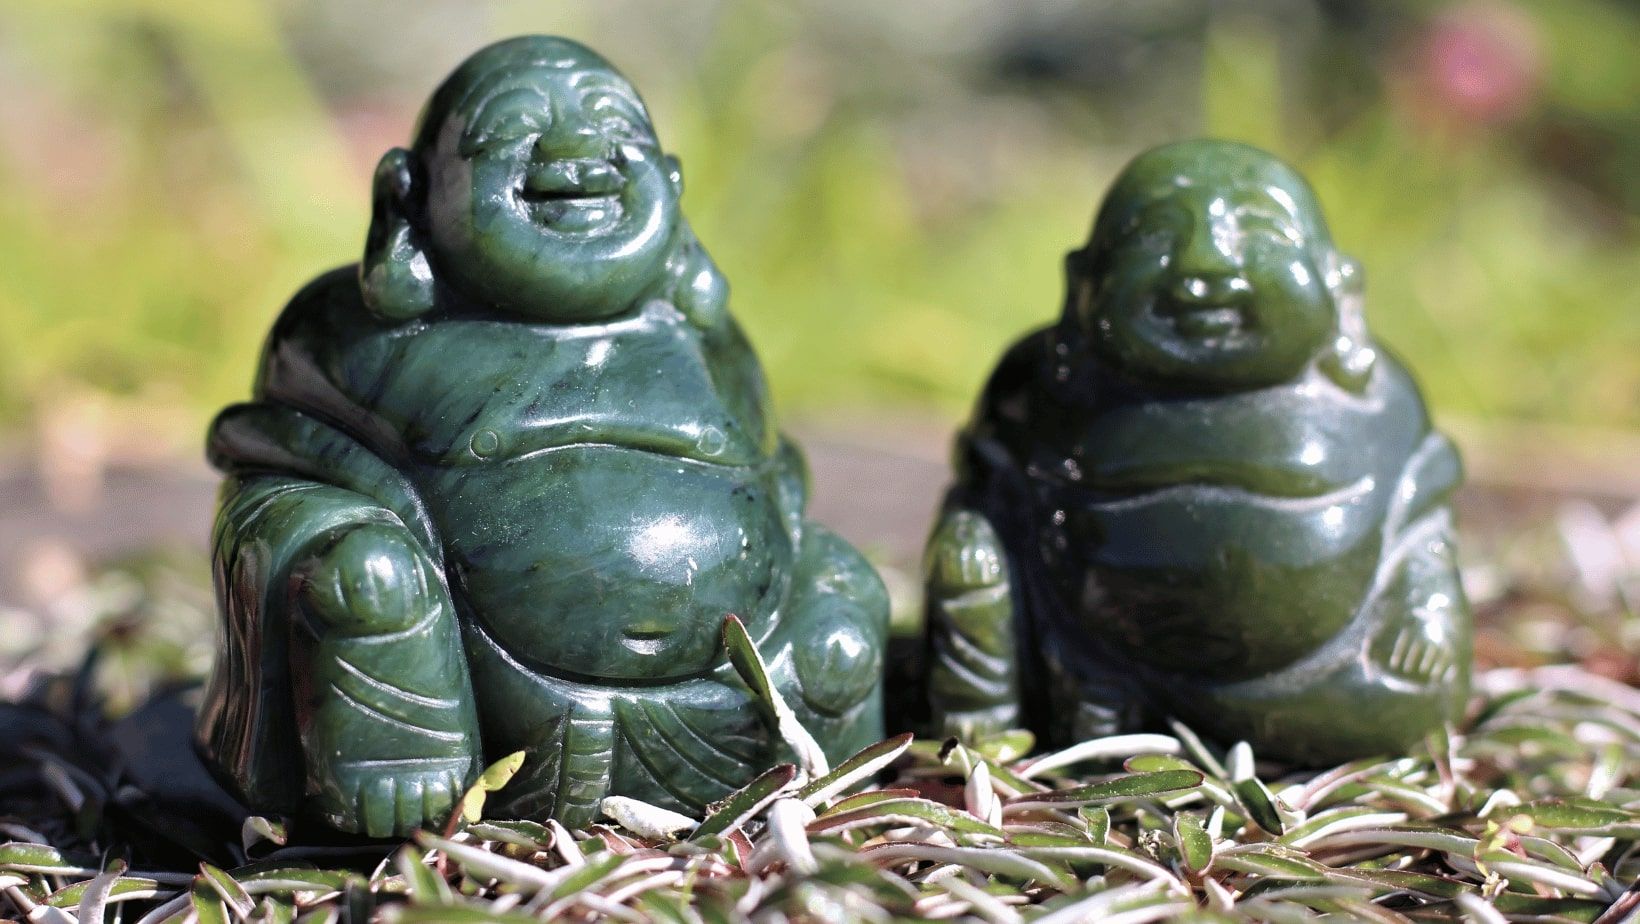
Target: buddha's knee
(367,579)
(839,662)
(844,619)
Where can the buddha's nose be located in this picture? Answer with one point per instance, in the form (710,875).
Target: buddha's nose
(1209,288)
(1207,268)
(572,139)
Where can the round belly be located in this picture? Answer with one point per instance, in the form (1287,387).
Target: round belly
(611,564)
(1218,582)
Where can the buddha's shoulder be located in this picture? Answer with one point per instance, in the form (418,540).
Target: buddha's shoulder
(1019,376)
(327,351)
(327,306)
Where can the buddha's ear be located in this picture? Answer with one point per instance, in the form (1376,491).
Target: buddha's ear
(394,276)
(1350,358)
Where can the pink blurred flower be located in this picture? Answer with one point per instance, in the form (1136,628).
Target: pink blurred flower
(1480,63)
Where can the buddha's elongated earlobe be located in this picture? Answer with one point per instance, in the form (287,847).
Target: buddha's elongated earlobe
(696,287)
(394,276)
(1350,358)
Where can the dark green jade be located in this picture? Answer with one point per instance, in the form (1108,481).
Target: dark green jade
(1204,492)
(501,483)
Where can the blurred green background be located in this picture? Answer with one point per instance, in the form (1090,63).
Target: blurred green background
(889,186)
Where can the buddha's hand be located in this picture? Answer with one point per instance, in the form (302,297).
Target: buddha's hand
(388,723)
(972,682)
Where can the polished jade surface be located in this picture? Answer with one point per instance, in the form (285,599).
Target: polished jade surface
(1204,493)
(501,483)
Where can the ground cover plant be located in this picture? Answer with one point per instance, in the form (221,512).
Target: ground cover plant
(1528,811)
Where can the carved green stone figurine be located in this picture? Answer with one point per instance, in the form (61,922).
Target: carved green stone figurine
(502,482)
(1204,492)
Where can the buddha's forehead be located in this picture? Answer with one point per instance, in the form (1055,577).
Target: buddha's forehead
(536,63)
(1212,178)
(539,79)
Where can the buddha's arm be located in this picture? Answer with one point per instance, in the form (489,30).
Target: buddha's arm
(973,686)
(268,437)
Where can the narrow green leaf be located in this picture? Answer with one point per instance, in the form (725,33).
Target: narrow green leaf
(748,663)
(1046,839)
(1107,748)
(900,811)
(1195,844)
(739,807)
(997,862)
(868,798)
(1548,909)
(125,888)
(233,894)
(1098,819)
(494,777)
(207,902)
(1127,786)
(1582,816)
(1150,763)
(37,858)
(1006,746)
(1255,797)
(1128,860)
(425,886)
(855,770)
(1517,869)
(1342,818)
(519,832)
(295,878)
(1272,865)
(587,875)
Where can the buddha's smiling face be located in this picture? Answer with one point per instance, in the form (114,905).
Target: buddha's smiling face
(1210,267)
(548,194)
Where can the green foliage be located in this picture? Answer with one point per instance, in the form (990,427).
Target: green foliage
(890,214)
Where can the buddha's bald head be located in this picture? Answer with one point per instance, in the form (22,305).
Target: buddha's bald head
(1228,168)
(513,60)
(1210,264)
(537,182)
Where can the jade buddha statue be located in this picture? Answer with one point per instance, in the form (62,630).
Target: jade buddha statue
(1205,492)
(500,484)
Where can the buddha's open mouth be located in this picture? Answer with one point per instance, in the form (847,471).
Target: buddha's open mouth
(568,196)
(1209,322)
(1222,322)
(575,195)
(571,210)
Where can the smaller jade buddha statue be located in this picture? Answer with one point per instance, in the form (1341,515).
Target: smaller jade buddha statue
(502,482)
(1205,492)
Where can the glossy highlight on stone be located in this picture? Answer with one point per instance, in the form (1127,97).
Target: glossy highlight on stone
(500,484)
(1205,492)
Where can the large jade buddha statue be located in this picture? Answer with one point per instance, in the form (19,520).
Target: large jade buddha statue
(501,483)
